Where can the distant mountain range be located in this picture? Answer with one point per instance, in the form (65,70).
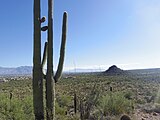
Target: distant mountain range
(113,70)
(81,70)
(146,71)
(22,70)
(27,70)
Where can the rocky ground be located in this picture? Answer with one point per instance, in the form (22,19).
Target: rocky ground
(147,112)
(142,115)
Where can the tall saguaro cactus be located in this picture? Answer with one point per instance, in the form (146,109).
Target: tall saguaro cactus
(38,75)
(37,67)
(49,77)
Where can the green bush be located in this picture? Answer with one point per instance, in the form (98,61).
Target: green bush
(157,98)
(16,109)
(140,101)
(60,110)
(128,95)
(64,100)
(114,104)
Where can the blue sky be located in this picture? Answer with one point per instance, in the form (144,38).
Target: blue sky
(100,33)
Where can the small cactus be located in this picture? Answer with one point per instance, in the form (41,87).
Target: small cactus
(111,89)
(75,103)
(10,97)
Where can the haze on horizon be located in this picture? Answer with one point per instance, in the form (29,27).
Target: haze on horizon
(100,33)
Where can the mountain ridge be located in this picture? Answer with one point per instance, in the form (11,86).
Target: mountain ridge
(21,70)
(27,70)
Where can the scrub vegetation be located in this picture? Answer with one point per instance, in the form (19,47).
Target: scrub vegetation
(86,96)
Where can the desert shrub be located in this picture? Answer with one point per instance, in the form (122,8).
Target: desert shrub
(140,101)
(64,100)
(28,107)
(60,110)
(128,95)
(60,117)
(157,98)
(114,104)
(62,105)
(16,109)
(157,107)
(62,113)
(88,102)
(148,93)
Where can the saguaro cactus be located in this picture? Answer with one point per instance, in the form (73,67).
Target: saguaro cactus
(38,75)
(50,78)
(37,67)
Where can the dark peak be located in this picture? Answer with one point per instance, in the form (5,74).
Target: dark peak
(113,67)
(114,70)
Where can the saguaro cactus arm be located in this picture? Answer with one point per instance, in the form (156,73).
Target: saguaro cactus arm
(44,58)
(45,54)
(62,50)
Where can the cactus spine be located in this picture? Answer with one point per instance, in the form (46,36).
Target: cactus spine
(38,75)
(37,67)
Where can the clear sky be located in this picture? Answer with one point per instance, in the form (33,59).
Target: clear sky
(100,33)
